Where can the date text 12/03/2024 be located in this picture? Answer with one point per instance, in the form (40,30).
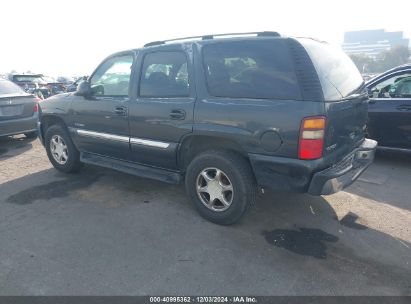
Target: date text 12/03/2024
(203,299)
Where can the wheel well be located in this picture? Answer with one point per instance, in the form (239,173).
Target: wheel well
(194,145)
(49,120)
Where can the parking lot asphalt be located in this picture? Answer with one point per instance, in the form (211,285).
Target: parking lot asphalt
(102,232)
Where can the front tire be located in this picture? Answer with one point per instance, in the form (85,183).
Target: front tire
(61,151)
(221,185)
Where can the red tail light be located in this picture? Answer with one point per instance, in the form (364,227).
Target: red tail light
(311,142)
(36,104)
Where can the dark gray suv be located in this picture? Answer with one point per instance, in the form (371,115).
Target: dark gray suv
(225,114)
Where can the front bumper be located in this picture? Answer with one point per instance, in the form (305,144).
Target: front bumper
(39,132)
(345,172)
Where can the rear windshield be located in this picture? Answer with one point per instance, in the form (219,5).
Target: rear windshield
(338,75)
(8,87)
(250,69)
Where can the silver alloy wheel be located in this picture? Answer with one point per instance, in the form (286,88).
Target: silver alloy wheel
(214,189)
(58,149)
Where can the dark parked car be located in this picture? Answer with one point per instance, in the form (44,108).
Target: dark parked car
(390,109)
(73,87)
(225,115)
(32,83)
(54,86)
(65,80)
(18,110)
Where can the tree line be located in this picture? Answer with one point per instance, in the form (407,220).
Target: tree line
(386,60)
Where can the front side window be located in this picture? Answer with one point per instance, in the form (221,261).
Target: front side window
(250,69)
(112,78)
(398,86)
(164,74)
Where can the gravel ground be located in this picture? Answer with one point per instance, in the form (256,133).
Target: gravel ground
(101,232)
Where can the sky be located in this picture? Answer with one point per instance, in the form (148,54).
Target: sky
(60,38)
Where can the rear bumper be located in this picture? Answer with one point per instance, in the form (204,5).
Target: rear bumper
(345,172)
(295,175)
(18,126)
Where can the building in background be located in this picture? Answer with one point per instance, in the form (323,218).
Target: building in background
(372,42)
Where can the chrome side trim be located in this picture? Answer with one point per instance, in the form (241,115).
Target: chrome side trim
(102,135)
(126,139)
(150,143)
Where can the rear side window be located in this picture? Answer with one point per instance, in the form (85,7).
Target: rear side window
(8,87)
(338,74)
(164,74)
(250,69)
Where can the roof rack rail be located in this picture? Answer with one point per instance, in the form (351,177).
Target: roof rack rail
(208,37)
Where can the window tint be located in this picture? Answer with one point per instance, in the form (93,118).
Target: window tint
(8,87)
(164,74)
(250,69)
(112,78)
(398,86)
(338,74)
(402,89)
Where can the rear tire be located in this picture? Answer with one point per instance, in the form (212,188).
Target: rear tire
(61,151)
(221,185)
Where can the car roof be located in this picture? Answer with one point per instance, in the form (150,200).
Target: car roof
(204,39)
(246,35)
(399,68)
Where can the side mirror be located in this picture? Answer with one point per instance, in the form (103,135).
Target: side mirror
(83,89)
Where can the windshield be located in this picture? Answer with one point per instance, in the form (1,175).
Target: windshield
(338,75)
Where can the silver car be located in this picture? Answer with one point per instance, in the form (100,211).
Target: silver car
(18,110)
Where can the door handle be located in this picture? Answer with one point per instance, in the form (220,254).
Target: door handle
(178,114)
(404,107)
(121,111)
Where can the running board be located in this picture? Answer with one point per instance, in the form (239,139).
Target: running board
(391,149)
(132,168)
